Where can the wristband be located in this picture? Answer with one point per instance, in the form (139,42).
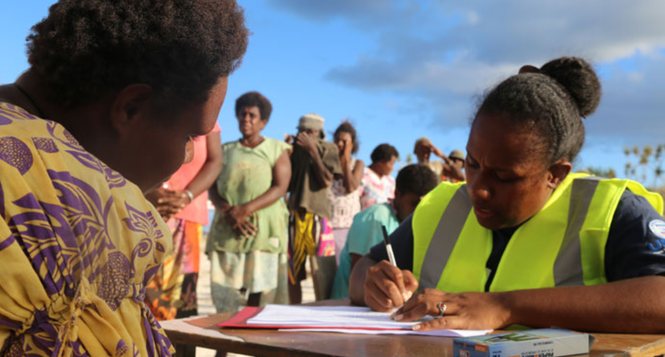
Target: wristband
(190,195)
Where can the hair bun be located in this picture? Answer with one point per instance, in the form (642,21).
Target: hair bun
(579,78)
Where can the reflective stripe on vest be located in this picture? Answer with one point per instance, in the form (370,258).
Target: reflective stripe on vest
(571,238)
(446,234)
(568,263)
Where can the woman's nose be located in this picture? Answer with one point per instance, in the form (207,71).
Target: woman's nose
(478,188)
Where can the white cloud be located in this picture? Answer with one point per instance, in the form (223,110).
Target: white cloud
(443,53)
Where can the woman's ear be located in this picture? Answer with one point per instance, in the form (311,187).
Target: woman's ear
(131,106)
(558,173)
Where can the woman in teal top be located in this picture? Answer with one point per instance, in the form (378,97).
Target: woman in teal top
(247,240)
(413,182)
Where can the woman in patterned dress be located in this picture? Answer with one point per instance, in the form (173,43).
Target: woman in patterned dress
(114,92)
(345,190)
(377,185)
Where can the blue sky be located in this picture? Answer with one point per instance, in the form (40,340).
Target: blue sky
(400,70)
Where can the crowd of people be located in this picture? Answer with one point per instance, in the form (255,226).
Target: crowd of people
(101,221)
(279,204)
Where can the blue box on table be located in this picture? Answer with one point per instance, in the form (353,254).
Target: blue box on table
(528,343)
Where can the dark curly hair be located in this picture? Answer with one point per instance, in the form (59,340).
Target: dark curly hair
(254,99)
(550,101)
(416,178)
(347,127)
(384,153)
(179,47)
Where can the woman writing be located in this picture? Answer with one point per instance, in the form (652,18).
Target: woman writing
(103,115)
(525,241)
(248,238)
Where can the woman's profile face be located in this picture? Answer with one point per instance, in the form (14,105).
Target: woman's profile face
(507,176)
(384,168)
(159,147)
(250,121)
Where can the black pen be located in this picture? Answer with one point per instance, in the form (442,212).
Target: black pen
(389,247)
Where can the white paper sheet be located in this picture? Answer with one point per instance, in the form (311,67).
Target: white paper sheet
(440,333)
(347,319)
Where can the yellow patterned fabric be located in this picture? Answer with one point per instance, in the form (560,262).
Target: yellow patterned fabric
(77,244)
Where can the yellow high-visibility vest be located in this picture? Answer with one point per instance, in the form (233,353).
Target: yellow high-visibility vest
(562,245)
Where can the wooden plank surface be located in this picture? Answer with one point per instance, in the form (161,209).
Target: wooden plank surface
(261,342)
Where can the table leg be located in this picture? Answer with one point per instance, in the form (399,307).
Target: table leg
(182,350)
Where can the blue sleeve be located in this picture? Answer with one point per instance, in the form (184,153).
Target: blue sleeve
(636,242)
(363,234)
(402,242)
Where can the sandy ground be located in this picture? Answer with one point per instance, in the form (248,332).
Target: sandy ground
(206,306)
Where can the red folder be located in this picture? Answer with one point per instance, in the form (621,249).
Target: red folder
(239,320)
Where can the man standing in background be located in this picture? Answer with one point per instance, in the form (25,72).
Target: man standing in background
(314,162)
(445,169)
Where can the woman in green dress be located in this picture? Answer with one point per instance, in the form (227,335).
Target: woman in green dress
(248,238)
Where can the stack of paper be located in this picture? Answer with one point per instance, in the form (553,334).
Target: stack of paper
(352,317)
(349,319)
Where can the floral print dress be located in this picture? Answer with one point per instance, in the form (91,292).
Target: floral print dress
(78,243)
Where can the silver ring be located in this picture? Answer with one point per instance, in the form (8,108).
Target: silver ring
(442,308)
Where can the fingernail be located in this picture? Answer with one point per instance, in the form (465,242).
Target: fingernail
(415,327)
(405,296)
(409,294)
(399,317)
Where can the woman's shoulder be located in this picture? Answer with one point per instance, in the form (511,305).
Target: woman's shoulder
(280,144)
(274,147)
(51,175)
(231,145)
(636,240)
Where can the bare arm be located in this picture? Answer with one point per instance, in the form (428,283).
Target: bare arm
(211,168)
(381,286)
(628,306)
(355,258)
(217,200)
(321,173)
(449,167)
(357,280)
(352,176)
(453,171)
(281,175)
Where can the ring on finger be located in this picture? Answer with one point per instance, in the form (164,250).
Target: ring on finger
(442,308)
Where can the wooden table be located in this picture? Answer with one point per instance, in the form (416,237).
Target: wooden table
(256,342)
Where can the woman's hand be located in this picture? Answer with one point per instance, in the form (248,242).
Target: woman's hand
(348,148)
(168,202)
(236,217)
(388,287)
(468,311)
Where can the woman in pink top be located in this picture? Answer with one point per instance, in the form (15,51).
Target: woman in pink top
(378,186)
(182,202)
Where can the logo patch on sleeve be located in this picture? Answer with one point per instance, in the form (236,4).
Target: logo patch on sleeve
(657,227)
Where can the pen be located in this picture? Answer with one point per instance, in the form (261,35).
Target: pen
(389,247)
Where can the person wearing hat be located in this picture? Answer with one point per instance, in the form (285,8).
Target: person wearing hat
(453,169)
(314,162)
(447,169)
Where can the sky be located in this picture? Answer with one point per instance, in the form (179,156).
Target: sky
(399,70)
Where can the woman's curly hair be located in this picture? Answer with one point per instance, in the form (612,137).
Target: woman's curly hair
(181,48)
(550,101)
